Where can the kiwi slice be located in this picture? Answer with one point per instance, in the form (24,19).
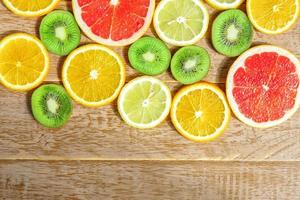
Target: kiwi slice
(51,105)
(190,64)
(149,56)
(232,33)
(59,32)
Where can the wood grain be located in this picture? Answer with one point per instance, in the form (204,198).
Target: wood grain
(220,64)
(149,180)
(101,134)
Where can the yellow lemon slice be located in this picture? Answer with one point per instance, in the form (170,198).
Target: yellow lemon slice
(24,62)
(31,8)
(93,75)
(200,112)
(224,4)
(273,16)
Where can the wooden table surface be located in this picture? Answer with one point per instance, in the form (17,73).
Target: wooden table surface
(96,155)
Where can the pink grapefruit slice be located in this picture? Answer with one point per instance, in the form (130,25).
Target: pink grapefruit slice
(114,22)
(263,86)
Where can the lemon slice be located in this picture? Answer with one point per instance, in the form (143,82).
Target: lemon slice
(273,16)
(144,102)
(31,8)
(224,4)
(181,22)
(93,75)
(24,62)
(200,112)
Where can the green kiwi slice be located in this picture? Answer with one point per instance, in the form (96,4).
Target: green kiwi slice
(190,64)
(232,33)
(51,106)
(149,56)
(59,32)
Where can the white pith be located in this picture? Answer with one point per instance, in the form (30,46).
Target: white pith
(226,5)
(240,62)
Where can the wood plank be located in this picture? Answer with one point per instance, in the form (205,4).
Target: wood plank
(149,180)
(11,23)
(101,134)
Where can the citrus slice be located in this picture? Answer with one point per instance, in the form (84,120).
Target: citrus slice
(144,102)
(200,112)
(181,22)
(224,4)
(31,8)
(93,75)
(273,16)
(24,62)
(263,86)
(114,22)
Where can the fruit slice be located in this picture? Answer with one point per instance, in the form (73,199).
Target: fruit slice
(59,32)
(263,86)
(200,112)
(93,75)
(224,4)
(149,56)
(24,62)
(114,22)
(232,33)
(51,106)
(31,8)
(190,64)
(144,102)
(181,22)
(273,16)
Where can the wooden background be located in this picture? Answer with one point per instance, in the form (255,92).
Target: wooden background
(96,155)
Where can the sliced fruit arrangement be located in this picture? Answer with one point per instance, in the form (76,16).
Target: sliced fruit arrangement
(93,75)
(51,105)
(273,16)
(144,102)
(59,32)
(149,56)
(114,22)
(181,22)
(24,62)
(263,86)
(31,8)
(200,112)
(232,33)
(190,64)
(224,4)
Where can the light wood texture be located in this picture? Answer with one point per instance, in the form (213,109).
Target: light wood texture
(137,180)
(97,156)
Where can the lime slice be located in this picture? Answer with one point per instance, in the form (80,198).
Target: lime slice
(144,102)
(181,22)
(224,4)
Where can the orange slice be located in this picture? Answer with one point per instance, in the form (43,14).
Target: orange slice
(93,75)
(31,8)
(24,62)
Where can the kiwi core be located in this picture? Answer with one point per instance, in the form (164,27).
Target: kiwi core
(61,33)
(232,33)
(149,56)
(190,64)
(52,105)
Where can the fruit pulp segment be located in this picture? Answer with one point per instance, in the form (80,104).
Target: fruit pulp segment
(21,61)
(94,75)
(145,102)
(115,22)
(181,20)
(273,14)
(32,5)
(200,112)
(265,88)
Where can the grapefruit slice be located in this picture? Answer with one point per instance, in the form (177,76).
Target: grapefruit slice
(114,22)
(263,86)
